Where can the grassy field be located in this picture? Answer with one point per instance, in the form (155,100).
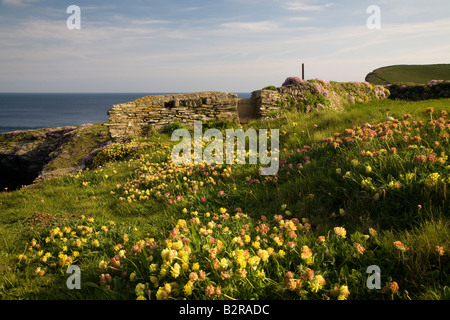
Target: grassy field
(409,74)
(367,185)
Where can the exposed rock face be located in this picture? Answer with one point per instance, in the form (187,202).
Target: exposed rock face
(156,112)
(28,156)
(24,154)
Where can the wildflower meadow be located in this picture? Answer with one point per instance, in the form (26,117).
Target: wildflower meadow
(356,188)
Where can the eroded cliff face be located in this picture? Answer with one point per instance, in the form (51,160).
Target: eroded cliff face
(34,155)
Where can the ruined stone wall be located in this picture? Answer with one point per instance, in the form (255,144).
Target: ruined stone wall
(135,118)
(435,89)
(313,95)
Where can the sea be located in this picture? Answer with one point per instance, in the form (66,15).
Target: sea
(24,111)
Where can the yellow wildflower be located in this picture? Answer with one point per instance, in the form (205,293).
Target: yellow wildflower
(306,253)
(154,280)
(224,263)
(254,261)
(40,272)
(177,245)
(176,270)
(153,267)
(343,293)
(261,274)
(163,271)
(181,223)
(340,231)
(140,289)
(263,254)
(317,283)
(188,289)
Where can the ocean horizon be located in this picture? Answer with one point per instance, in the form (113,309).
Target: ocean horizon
(28,111)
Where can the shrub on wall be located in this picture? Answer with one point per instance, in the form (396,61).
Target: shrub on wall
(220,124)
(316,94)
(174,126)
(291,80)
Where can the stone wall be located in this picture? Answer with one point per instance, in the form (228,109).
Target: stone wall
(313,95)
(435,89)
(247,110)
(136,118)
(157,112)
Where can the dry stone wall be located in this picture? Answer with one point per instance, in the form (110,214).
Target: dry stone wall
(313,95)
(135,118)
(435,89)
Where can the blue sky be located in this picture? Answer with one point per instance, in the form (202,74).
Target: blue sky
(229,45)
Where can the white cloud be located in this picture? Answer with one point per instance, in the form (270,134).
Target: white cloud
(301,19)
(218,53)
(303,6)
(12,2)
(140,22)
(190,9)
(251,26)
(18,2)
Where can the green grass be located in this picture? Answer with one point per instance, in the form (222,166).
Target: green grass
(409,74)
(138,191)
(87,138)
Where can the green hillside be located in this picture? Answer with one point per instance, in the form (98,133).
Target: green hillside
(414,74)
(364,186)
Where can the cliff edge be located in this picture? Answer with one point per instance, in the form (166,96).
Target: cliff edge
(34,155)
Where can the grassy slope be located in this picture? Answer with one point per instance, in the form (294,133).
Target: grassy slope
(67,197)
(72,153)
(416,74)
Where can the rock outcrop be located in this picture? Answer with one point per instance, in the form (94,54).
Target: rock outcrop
(31,155)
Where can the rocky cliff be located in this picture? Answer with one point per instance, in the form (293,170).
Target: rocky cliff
(27,156)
